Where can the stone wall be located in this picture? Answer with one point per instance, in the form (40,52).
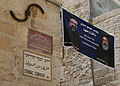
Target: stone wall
(77,67)
(78,7)
(13,41)
(109,22)
(69,68)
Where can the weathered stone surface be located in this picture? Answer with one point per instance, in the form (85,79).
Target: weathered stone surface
(88,84)
(78,7)
(74,69)
(104,80)
(117,75)
(7,28)
(6,43)
(56,1)
(21,37)
(0,41)
(117,36)
(75,4)
(108,22)
(5,59)
(117,56)
(109,15)
(13,40)
(7,83)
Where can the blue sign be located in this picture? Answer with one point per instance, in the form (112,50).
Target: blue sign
(88,39)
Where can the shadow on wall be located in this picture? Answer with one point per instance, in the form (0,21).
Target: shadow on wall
(99,7)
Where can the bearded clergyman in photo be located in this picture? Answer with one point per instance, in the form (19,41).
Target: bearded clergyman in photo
(105,52)
(73,33)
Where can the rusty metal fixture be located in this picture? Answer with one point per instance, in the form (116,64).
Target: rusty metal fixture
(27,13)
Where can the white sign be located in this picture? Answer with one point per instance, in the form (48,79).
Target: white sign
(37,66)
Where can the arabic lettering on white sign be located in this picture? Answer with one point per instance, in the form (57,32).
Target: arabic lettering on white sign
(37,66)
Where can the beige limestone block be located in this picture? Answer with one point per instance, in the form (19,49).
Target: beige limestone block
(7,28)
(117,37)
(117,56)
(8,83)
(21,36)
(104,80)
(0,41)
(5,59)
(6,43)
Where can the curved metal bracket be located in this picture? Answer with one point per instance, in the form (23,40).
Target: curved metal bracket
(27,13)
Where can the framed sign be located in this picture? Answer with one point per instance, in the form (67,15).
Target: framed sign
(37,66)
(40,42)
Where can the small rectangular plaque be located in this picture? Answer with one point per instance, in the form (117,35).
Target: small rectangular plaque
(37,66)
(40,42)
